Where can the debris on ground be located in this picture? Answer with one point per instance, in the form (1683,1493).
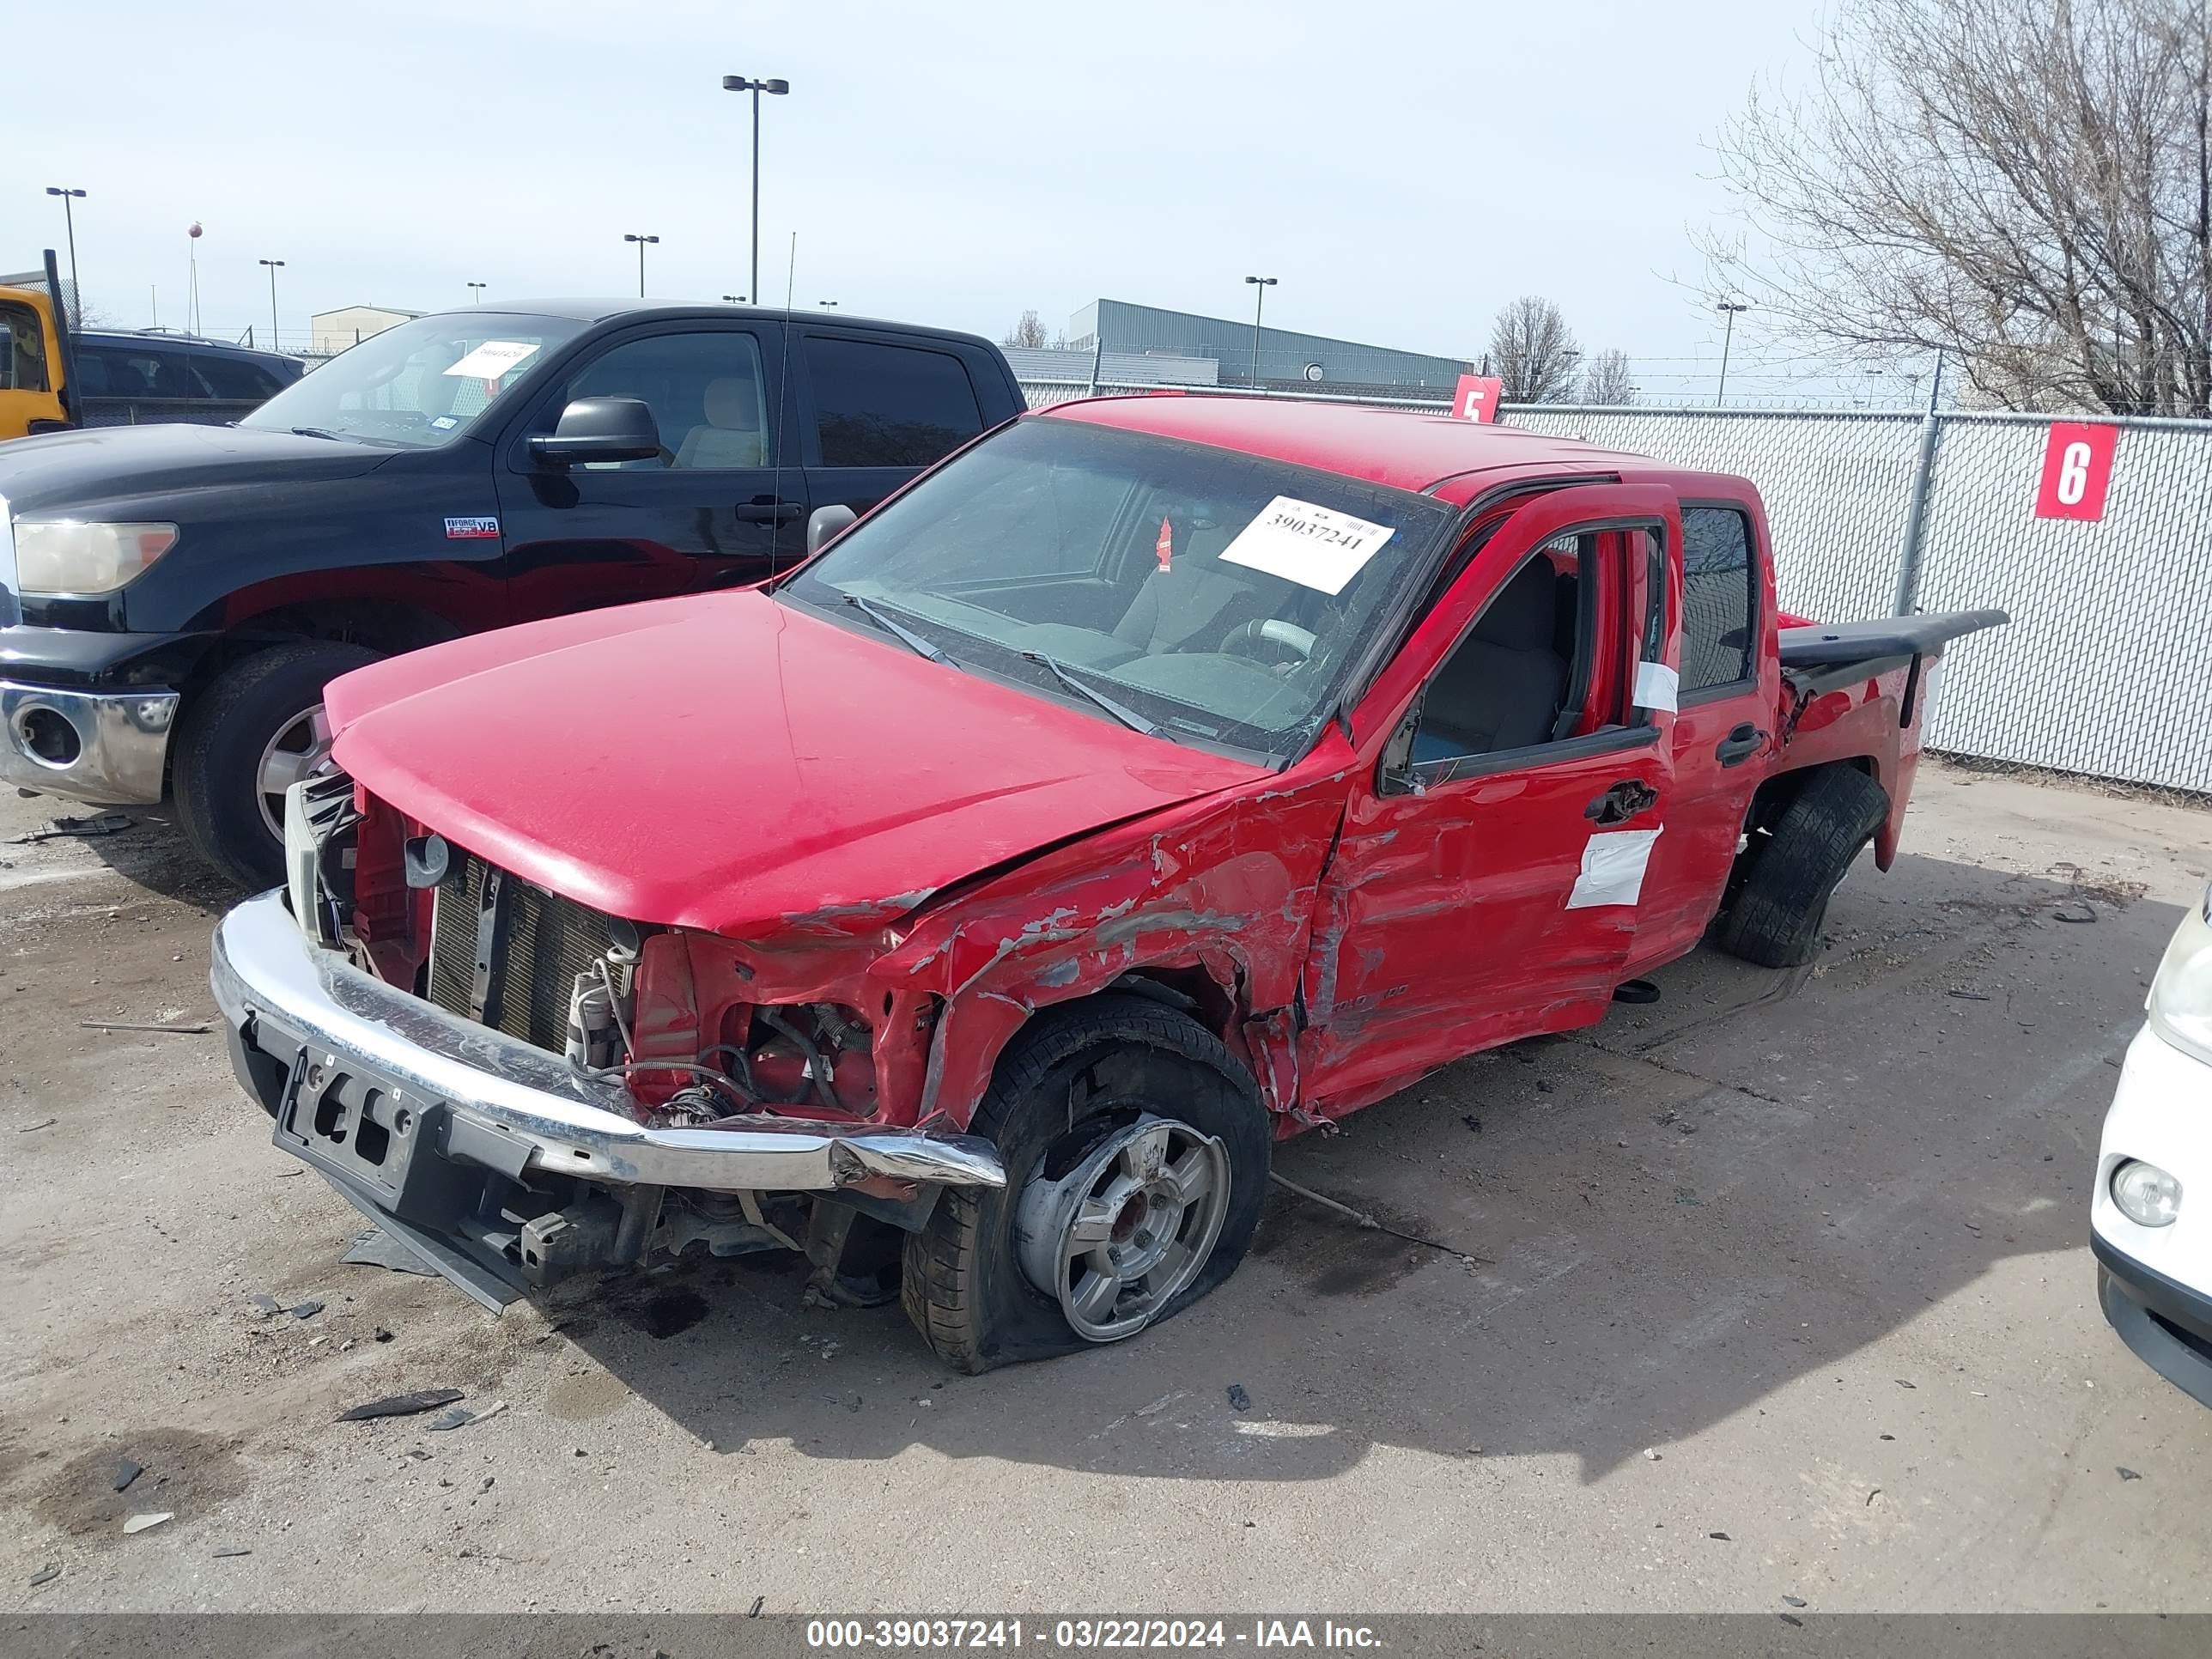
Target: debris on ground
(125,1473)
(380,1334)
(1471,1121)
(378,1249)
(1652,1452)
(1721,1537)
(460,1419)
(268,1306)
(402,1405)
(1968,996)
(224,1555)
(104,824)
(199,1030)
(2129,1474)
(307,1310)
(45,1575)
(2077,911)
(487,1483)
(1790,1619)
(141,1522)
(1902,1383)
(43,1123)
(1793,1600)
(753,1611)
(1238,1400)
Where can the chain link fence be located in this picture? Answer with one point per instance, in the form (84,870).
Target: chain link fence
(2106,669)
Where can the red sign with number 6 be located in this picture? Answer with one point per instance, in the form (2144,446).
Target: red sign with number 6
(2077,465)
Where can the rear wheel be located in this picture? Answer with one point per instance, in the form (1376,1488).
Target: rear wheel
(1783,898)
(248,737)
(1136,1151)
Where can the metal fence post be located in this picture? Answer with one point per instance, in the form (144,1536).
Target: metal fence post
(1097,356)
(1916,516)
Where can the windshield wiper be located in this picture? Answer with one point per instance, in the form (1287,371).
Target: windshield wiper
(1128,717)
(906,634)
(316,432)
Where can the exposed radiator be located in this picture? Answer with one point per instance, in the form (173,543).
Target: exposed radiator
(549,940)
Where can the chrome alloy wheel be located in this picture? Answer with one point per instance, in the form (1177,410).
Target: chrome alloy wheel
(1122,1234)
(301,748)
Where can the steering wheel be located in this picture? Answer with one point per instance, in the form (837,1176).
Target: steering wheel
(1270,641)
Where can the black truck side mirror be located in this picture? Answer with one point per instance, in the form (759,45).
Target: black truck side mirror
(600,429)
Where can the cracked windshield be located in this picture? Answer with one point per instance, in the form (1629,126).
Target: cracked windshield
(1186,591)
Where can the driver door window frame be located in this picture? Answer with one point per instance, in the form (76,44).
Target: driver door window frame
(544,410)
(1399,774)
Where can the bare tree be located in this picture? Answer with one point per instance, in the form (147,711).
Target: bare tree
(1532,351)
(1027,332)
(1606,381)
(2025,185)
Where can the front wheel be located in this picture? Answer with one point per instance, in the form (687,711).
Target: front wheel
(245,739)
(1136,1151)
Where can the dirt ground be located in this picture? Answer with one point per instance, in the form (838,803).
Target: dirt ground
(1785,1294)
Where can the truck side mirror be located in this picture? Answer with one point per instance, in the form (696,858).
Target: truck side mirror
(824,524)
(600,429)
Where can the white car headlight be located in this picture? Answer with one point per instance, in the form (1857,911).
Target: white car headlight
(67,556)
(2180,1001)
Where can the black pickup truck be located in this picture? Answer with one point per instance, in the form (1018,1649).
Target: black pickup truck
(173,599)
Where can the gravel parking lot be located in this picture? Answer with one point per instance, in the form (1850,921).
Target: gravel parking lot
(1781,1291)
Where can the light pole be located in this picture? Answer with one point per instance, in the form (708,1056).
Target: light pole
(775,89)
(475,294)
(275,266)
(1260,285)
(1728,308)
(640,242)
(69,220)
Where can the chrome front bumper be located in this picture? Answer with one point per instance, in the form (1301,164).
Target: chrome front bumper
(501,1101)
(105,748)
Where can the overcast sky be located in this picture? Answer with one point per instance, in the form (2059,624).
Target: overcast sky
(1403,168)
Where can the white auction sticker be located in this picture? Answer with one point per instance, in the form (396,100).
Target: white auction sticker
(1313,546)
(494,358)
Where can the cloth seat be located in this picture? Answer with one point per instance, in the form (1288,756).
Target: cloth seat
(731,436)
(1502,687)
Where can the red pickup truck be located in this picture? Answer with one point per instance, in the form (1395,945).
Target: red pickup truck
(972,909)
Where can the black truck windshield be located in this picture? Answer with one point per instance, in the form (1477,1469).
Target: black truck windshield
(419,385)
(1209,594)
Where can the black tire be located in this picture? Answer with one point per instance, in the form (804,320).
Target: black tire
(220,744)
(1775,920)
(1066,1080)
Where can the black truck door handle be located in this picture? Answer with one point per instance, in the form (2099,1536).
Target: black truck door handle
(767,512)
(1622,802)
(1739,745)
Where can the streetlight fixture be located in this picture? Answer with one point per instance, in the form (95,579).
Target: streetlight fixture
(1260,285)
(640,242)
(825,302)
(275,266)
(69,220)
(1728,308)
(775,89)
(733,298)
(475,294)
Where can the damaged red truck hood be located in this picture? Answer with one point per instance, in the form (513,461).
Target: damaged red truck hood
(729,762)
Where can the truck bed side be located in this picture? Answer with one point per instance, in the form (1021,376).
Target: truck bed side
(1859,692)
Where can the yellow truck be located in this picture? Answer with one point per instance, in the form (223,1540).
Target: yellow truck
(33,350)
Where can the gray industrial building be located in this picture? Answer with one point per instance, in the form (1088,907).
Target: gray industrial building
(1286,359)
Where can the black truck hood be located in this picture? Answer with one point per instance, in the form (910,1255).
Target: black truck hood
(60,472)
